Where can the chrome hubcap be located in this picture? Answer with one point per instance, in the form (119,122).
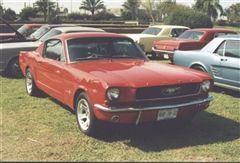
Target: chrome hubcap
(83,114)
(29,82)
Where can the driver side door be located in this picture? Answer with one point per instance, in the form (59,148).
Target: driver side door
(230,63)
(51,69)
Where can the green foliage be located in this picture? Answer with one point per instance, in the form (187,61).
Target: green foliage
(130,9)
(209,7)
(92,6)
(1,10)
(190,19)
(46,7)
(27,12)
(9,14)
(104,15)
(149,6)
(233,13)
(78,16)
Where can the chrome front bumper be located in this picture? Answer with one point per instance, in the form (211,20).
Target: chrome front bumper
(131,109)
(162,51)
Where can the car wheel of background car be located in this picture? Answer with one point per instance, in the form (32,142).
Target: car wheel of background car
(13,69)
(200,68)
(31,87)
(85,116)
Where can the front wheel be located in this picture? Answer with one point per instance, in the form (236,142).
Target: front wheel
(13,69)
(85,116)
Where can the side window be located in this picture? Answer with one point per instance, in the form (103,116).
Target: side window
(53,50)
(232,49)
(177,31)
(220,49)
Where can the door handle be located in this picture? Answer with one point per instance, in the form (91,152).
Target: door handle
(223,59)
(39,61)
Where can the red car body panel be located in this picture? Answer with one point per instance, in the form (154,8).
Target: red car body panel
(169,46)
(63,80)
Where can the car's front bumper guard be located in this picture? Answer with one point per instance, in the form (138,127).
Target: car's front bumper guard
(162,51)
(131,109)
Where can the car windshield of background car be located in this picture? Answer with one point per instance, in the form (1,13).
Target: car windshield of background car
(103,48)
(40,32)
(51,33)
(195,35)
(152,31)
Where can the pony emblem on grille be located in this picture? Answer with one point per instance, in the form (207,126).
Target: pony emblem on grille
(173,91)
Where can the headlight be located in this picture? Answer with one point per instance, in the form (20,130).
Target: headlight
(113,94)
(206,85)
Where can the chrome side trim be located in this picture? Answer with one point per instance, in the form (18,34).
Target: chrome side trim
(131,109)
(138,117)
(227,86)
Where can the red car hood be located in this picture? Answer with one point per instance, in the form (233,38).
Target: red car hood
(173,44)
(139,73)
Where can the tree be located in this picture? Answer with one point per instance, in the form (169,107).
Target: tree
(46,7)
(167,7)
(233,13)
(92,6)
(131,8)
(1,10)
(27,12)
(149,6)
(9,14)
(209,7)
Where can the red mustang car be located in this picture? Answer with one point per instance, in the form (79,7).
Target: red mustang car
(192,39)
(107,77)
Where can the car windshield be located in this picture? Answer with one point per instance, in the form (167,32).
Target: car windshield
(195,35)
(51,33)
(103,48)
(23,29)
(152,31)
(40,32)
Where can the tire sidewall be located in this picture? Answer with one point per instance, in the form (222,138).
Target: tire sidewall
(92,119)
(12,70)
(33,84)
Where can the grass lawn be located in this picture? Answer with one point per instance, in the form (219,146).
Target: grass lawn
(41,129)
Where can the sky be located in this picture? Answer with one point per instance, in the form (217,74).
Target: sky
(17,5)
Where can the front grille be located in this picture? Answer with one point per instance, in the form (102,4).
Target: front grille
(167,91)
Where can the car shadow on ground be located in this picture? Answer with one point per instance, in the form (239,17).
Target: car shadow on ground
(206,128)
(226,91)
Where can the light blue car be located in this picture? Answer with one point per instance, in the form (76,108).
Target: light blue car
(220,58)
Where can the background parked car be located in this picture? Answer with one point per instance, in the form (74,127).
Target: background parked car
(9,51)
(220,58)
(14,35)
(192,39)
(156,32)
(107,77)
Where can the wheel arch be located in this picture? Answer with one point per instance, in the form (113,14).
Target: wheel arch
(10,60)
(77,92)
(198,64)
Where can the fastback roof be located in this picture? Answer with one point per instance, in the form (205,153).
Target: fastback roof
(88,34)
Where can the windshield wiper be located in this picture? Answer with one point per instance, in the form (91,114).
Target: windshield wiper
(124,56)
(92,57)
